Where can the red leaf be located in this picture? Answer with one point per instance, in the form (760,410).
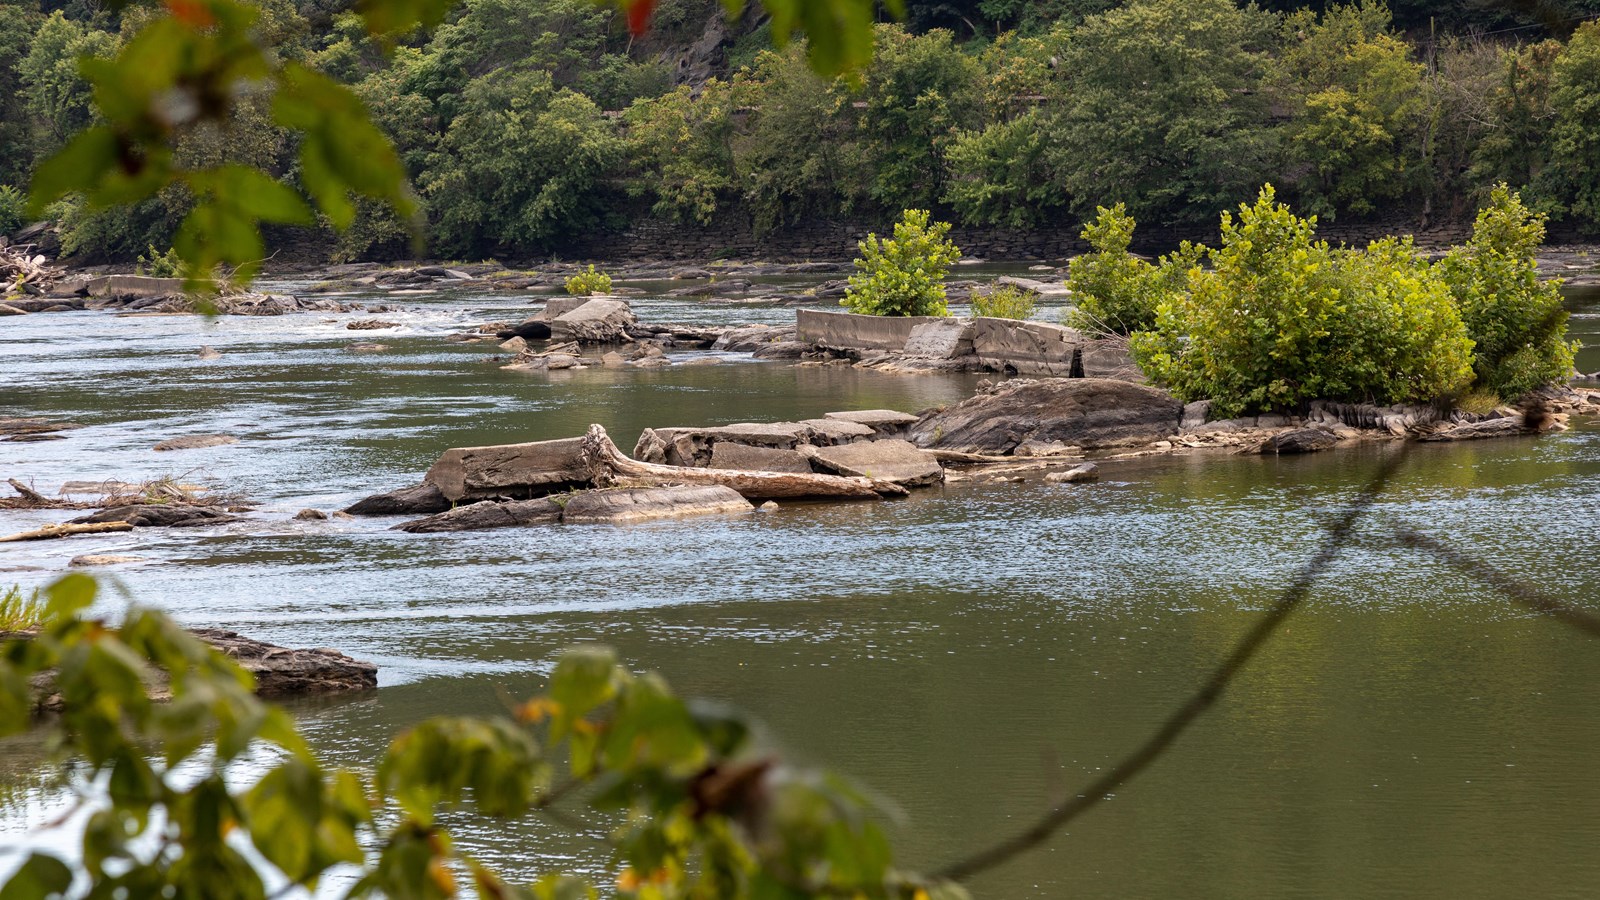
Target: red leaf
(639,16)
(191,12)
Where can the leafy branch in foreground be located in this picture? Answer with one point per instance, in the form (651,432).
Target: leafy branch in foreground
(695,809)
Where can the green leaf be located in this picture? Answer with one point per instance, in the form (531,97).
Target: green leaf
(82,163)
(70,595)
(40,876)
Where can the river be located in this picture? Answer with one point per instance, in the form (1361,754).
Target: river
(964,655)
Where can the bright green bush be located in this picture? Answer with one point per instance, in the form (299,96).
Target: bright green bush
(1004,302)
(1112,287)
(1516,322)
(156,264)
(589,281)
(1282,319)
(903,276)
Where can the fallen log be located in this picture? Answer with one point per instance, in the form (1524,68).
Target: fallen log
(609,467)
(65,530)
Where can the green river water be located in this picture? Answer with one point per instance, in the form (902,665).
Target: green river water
(965,654)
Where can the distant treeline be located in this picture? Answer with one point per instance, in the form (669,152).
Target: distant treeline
(525,123)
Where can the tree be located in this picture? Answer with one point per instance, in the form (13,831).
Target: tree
(918,91)
(53,94)
(1360,109)
(523,163)
(680,148)
(1573,172)
(1162,110)
(791,158)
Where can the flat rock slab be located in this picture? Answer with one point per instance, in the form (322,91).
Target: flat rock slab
(890,459)
(487,514)
(886,422)
(280,671)
(159,515)
(744,458)
(1081,412)
(627,505)
(525,470)
(837,431)
(196,442)
(417,500)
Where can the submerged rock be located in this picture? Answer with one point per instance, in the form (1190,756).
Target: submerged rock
(627,505)
(1082,412)
(158,515)
(196,442)
(102,559)
(1075,475)
(487,514)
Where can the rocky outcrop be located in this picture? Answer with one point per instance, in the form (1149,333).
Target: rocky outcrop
(487,514)
(598,321)
(158,515)
(1300,440)
(282,672)
(510,470)
(1080,412)
(419,499)
(885,423)
(628,505)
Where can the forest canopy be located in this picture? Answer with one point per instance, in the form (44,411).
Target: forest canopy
(521,125)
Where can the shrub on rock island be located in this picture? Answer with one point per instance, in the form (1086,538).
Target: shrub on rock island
(589,281)
(1004,302)
(904,275)
(1516,322)
(1282,319)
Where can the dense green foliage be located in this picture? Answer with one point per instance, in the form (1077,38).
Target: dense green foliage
(1111,288)
(156,264)
(903,275)
(589,281)
(1004,302)
(692,806)
(1281,318)
(1516,322)
(525,125)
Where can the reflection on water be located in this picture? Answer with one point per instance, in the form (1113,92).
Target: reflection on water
(968,653)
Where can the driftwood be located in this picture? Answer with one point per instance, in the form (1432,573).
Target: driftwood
(65,530)
(609,467)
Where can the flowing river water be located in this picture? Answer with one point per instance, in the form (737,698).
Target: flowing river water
(966,655)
